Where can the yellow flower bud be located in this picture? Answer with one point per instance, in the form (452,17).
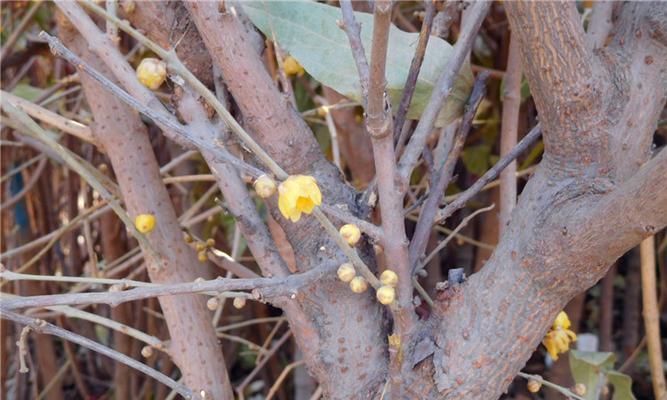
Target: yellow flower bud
(146,351)
(239,302)
(213,303)
(152,72)
(200,246)
(292,67)
(210,242)
(187,238)
(533,386)
(562,321)
(386,294)
(265,186)
(389,278)
(129,6)
(202,256)
(346,272)
(144,222)
(358,284)
(323,111)
(351,234)
(298,194)
(579,389)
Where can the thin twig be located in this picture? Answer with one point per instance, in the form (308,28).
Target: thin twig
(651,315)
(444,174)
(263,289)
(66,125)
(353,30)
(50,329)
(442,244)
(276,385)
(509,132)
(186,135)
(27,186)
(16,33)
(552,385)
(240,388)
(442,89)
(411,81)
(369,228)
(488,176)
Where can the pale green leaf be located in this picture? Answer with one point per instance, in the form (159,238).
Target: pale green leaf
(588,367)
(308,31)
(622,385)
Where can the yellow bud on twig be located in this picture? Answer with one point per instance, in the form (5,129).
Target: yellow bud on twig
(144,222)
(386,295)
(358,284)
(239,302)
(350,233)
(147,351)
(346,272)
(265,186)
(213,303)
(533,386)
(389,278)
(292,67)
(152,72)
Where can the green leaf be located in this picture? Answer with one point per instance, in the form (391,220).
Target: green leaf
(308,31)
(477,158)
(622,385)
(587,367)
(27,92)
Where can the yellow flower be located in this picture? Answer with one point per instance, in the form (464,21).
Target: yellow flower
(559,337)
(152,72)
(292,67)
(144,222)
(298,194)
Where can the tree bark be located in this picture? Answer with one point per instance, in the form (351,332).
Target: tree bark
(193,345)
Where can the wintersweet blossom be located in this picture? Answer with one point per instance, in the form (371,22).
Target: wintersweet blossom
(298,194)
(559,337)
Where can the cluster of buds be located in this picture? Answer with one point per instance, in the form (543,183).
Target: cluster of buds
(201,247)
(214,303)
(385,294)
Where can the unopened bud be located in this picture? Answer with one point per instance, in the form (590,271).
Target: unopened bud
(152,73)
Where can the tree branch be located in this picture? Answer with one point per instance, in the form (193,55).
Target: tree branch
(263,289)
(353,31)
(415,67)
(444,175)
(567,83)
